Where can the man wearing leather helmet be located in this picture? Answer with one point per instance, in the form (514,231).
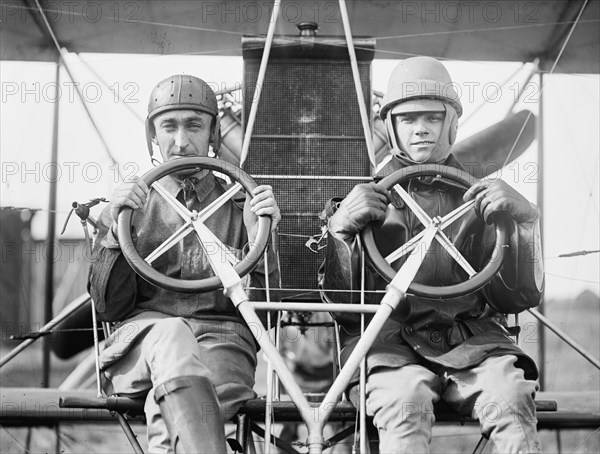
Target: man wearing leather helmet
(190,354)
(454,349)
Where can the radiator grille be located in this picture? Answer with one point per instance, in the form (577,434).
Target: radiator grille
(308,124)
(307,98)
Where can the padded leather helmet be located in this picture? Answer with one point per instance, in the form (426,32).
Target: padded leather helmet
(420,77)
(181,92)
(421,84)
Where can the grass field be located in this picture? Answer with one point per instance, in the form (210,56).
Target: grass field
(564,370)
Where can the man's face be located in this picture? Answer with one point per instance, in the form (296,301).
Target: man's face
(182,133)
(419,132)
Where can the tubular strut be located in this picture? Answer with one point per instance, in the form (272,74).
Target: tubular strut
(359,93)
(259,83)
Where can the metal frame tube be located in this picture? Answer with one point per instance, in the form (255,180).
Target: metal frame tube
(364,116)
(47,328)
(545,321)
(51,236)
(314,307)
(259,83)
(363,365)
(540,203)
(270,374)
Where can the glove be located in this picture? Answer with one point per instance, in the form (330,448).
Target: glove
(496,196)
(364,204)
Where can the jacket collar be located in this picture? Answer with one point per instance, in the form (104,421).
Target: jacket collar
(203,186)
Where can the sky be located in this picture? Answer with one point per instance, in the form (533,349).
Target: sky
(571,139)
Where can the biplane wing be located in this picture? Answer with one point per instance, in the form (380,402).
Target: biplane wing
(562,36)
(468,31)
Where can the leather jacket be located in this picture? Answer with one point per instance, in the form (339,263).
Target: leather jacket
(454,333)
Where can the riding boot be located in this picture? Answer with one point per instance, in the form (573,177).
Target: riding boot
(191,412)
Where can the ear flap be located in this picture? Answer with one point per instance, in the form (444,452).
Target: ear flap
(149,135)
(391,133)
(453,126)
(452,131)
(216,135)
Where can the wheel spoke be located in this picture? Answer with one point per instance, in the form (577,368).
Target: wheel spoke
(441,237)
(444,241)
(178,207)
(217,203)
(222,269)
(405,248)
(413,205)
(387,264)
(223,259)
(455,253)
(188,227)
(409,270)
(206,237)
(170,242)
(456,213)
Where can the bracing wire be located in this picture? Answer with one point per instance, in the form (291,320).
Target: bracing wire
(25,449)
(556,60)
(123,102)
(572,278)
(555,63)
(297,40)
(60,51)
(335,43)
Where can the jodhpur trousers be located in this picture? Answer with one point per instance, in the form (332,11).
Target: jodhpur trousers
(152,348)
(494,392)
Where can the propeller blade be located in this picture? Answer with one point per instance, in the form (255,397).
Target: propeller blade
(485,152)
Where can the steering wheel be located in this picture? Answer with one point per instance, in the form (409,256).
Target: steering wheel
(476,279)
(142,265)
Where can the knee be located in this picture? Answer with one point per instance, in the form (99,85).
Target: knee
(515,391)
(504,388)
(407,396)
(172,337)
(169,329)
(416,399)
(418,390)
(512,402)
(413,385)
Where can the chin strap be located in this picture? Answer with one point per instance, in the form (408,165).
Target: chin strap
(407,160)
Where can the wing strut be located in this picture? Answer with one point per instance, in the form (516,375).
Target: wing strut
(364,115)
(259,83)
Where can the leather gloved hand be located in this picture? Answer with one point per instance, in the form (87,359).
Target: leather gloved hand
(496,196)
(365,203)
